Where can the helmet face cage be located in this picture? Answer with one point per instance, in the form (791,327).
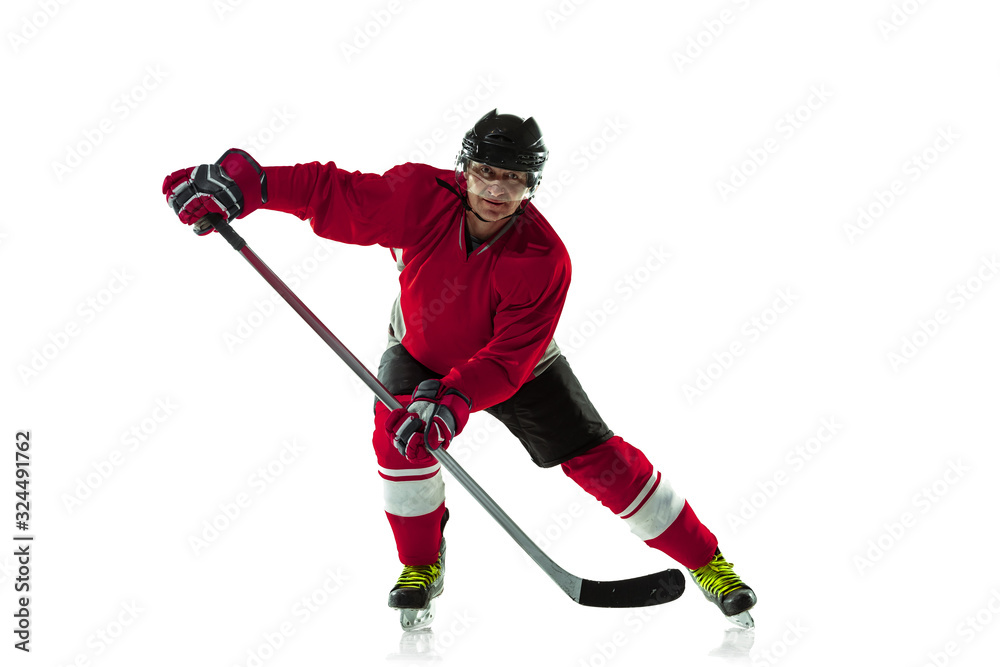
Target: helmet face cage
(497,182)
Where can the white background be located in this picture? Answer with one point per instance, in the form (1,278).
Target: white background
(851,564)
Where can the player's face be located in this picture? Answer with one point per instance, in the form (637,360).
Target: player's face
(491,209)
(494,193)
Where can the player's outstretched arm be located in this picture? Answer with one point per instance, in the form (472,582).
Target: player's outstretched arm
(349,207)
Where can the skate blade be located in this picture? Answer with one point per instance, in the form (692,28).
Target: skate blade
(415,619)
(742,619)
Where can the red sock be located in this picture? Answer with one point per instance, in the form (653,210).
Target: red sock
(623,479)
(686,540)
(418,538)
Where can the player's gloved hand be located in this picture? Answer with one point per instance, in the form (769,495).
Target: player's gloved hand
(234,187)
(435,415)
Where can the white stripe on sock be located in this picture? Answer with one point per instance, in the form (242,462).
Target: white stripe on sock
(642,494)
(413,472)
(657,513)
(413,497)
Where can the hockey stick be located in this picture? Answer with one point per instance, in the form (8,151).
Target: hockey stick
(650,589)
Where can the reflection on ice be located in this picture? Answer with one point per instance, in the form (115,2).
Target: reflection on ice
(736,643)
(416,646)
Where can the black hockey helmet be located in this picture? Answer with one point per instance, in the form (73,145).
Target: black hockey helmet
(505,141)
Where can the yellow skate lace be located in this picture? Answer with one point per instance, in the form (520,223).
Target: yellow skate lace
(717,577)
(418,576)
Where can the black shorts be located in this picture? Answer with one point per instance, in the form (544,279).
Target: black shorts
(550,414)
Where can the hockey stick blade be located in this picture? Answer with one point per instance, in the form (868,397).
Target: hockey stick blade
(651,589)
(641,591)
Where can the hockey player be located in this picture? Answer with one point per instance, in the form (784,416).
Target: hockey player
(483,278)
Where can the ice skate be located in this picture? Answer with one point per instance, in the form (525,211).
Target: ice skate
(415,591)
(417,587)
(724,588)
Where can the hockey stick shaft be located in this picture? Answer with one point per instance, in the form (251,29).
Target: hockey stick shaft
(627,593)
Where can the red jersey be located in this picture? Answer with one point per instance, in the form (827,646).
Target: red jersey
(484,320)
